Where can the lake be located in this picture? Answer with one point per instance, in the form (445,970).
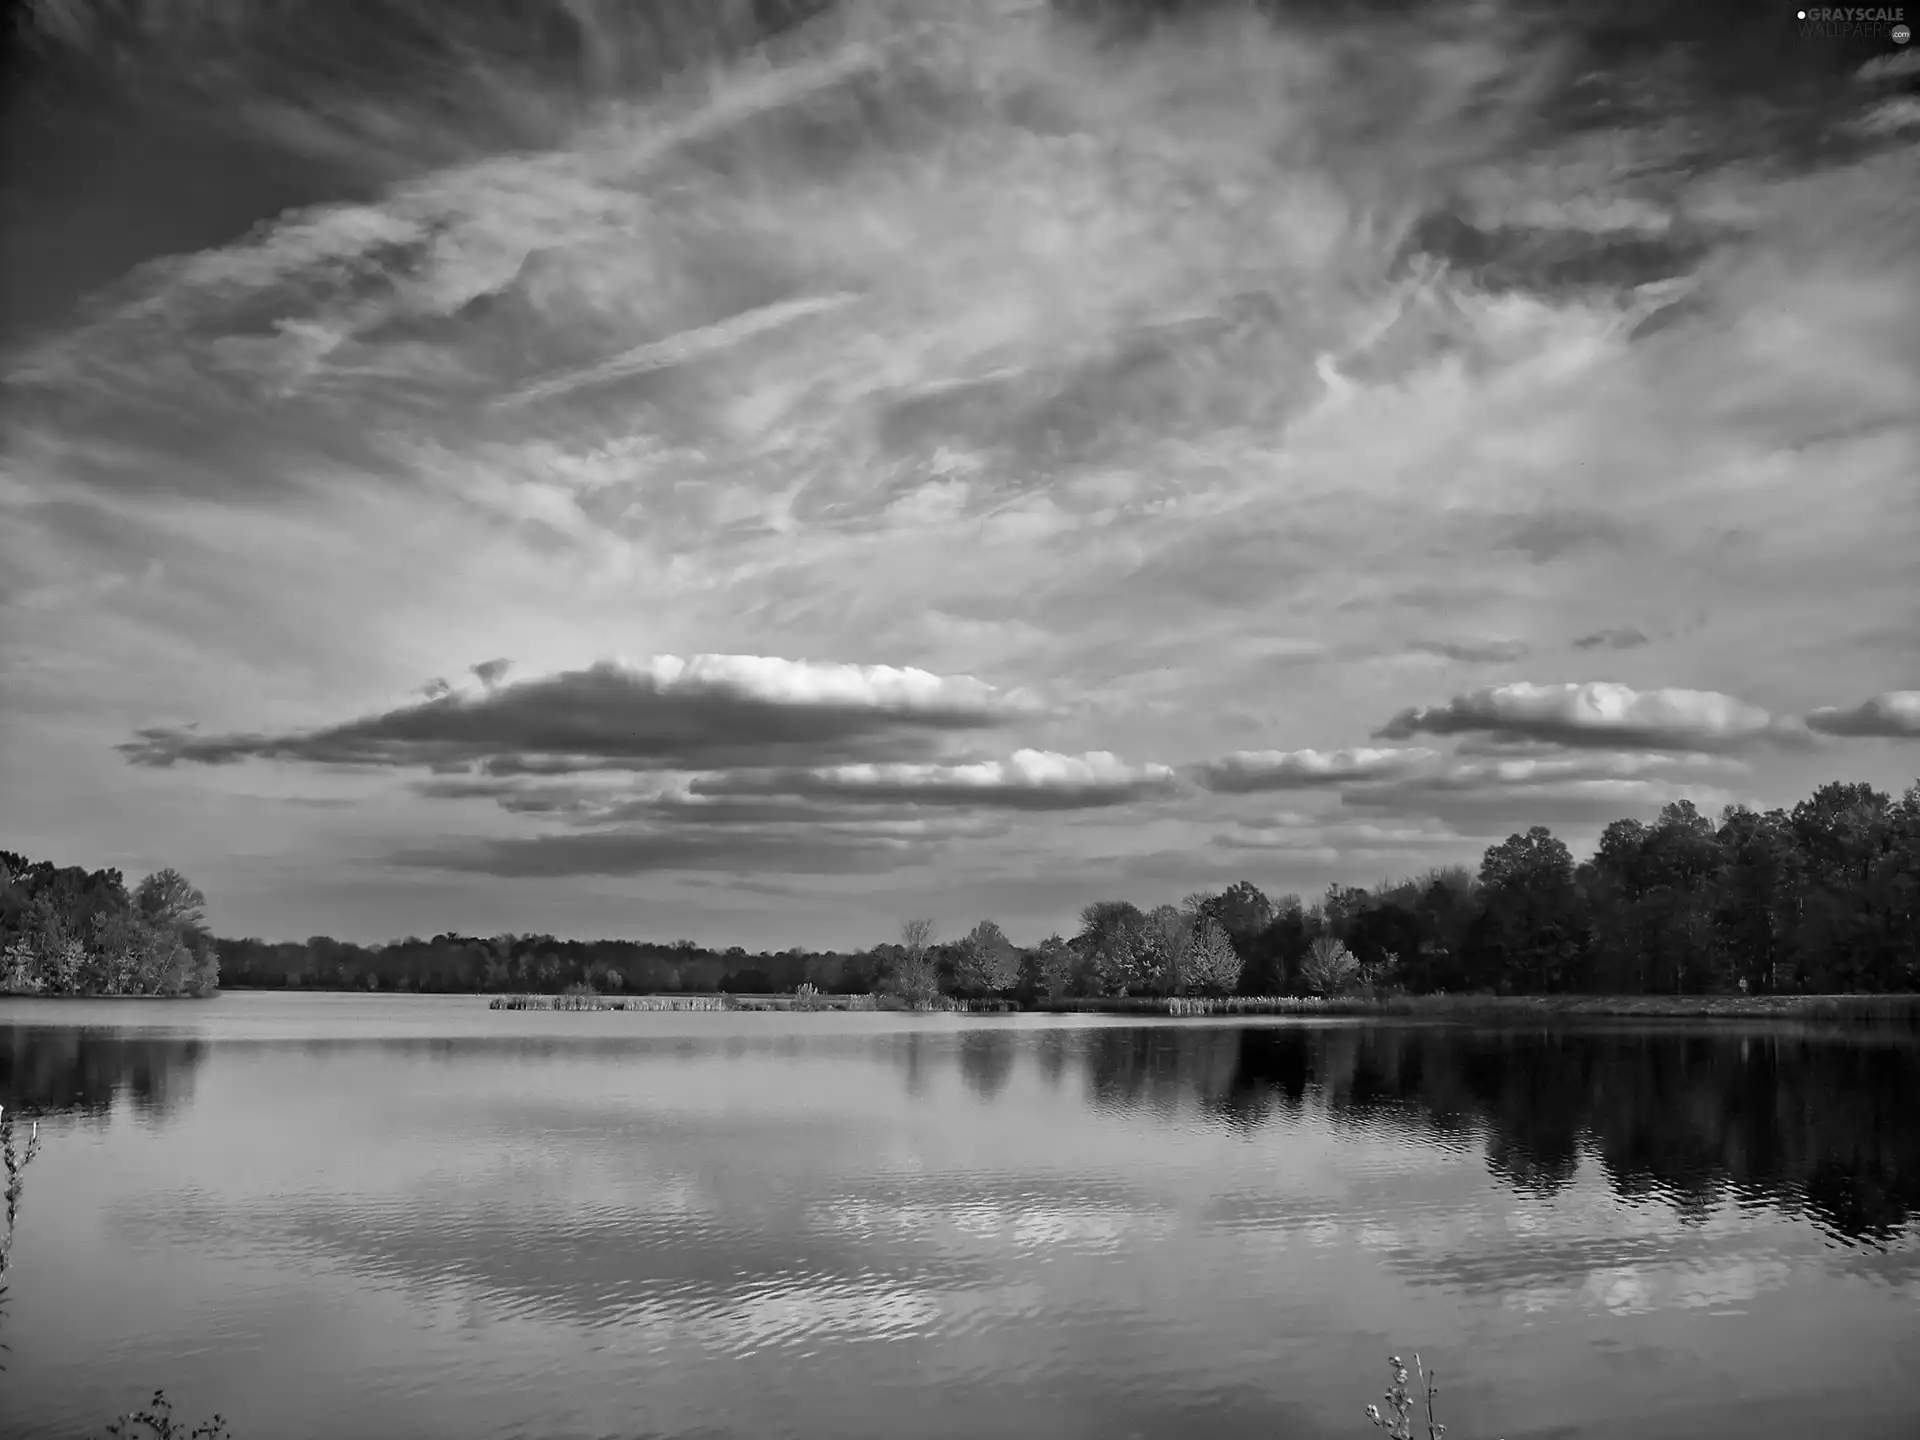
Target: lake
(354,1216)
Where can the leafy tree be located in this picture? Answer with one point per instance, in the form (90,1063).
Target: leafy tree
(1212,965)
(1274,957)
(1329,968)
(987,962)
(1529,933)
(913,979)
(1385,938)
(1168,932)
(1243,911)
(1113,941)
(1756,900)
(167,898)
(1849,843)
(1341,907)
(1046,970)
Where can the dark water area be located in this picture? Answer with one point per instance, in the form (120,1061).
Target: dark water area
(350,1216)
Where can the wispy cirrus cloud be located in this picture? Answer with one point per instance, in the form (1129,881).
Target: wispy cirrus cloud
(1183,373)
(1246,771)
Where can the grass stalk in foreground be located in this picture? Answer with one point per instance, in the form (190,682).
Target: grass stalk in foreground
(157,1423)
(16,1161)
(1400,1418)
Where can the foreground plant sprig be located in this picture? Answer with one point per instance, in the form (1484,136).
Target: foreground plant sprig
(1398,1419)
(16,1162)
(159,1424)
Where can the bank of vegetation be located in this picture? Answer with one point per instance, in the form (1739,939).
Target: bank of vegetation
(1822,899)
(73,931)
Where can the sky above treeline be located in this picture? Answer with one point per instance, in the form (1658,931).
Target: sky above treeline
(760,471)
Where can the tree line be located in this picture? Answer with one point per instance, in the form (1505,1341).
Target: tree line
(66,930)
(1823,898)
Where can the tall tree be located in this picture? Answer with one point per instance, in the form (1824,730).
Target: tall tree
(1113,941)
(1046,970)
(168,898)
(1847,839)
(1168,931)
(1212,966)
(1243,911)
(1329,967)
(986,962)
(1529,933)
(1755,909)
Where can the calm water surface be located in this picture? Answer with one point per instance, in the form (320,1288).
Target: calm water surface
(353,1216)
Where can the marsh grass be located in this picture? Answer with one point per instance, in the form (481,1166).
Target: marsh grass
(1863,1011)
(1251,1005)
(815,1001)
(603,1002)
(1205,1005)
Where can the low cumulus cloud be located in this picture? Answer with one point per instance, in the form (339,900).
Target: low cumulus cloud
(1468,775)
(1623,638)
(1567,788)
(1894,715)
(665,713)
(1483,652)
(1552,533)
(661,825)
(1029,780)
(1314,837)
(1246,771)
(637,852)
(1597,714)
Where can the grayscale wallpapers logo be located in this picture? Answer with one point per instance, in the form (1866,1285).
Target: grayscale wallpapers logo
(1854,21)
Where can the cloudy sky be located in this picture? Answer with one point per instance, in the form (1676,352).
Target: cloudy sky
(758,471)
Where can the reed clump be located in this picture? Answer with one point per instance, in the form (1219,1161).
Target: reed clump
(606,1002)
(1208,1005)
(1897,1012)
(1251,1005)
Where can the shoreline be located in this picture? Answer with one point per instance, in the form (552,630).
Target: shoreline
(1897,1010)
(1892,1010)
